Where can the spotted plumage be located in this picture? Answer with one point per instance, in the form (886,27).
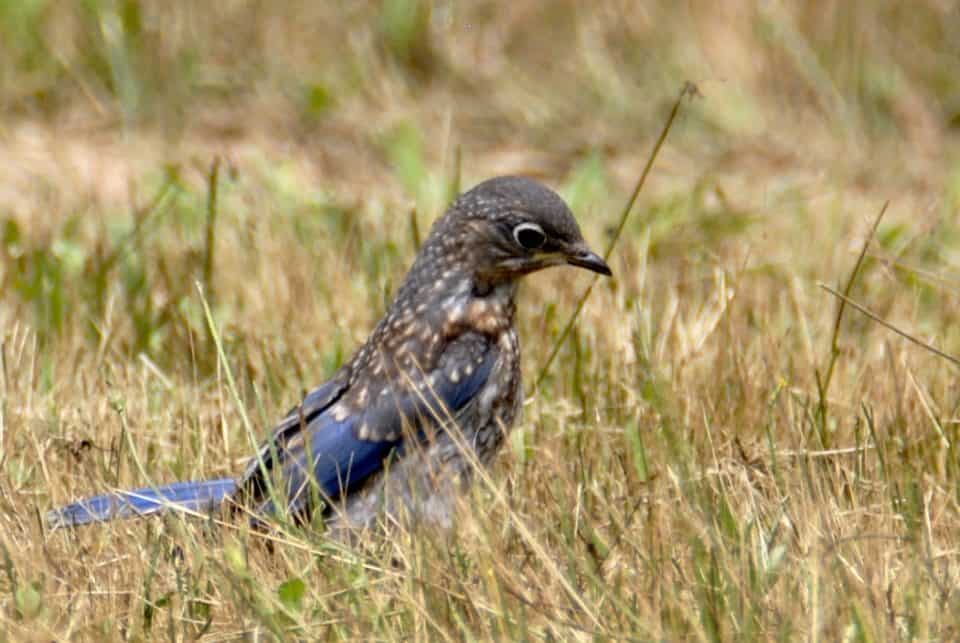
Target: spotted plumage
(382,436)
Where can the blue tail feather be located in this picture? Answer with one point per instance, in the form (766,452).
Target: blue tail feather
(199,495)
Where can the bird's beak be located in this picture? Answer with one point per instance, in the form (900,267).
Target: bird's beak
(587,258)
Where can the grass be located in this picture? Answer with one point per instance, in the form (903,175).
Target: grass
(709,457)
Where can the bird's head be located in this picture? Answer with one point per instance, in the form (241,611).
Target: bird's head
(511,226)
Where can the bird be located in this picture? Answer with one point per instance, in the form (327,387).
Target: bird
(399,429)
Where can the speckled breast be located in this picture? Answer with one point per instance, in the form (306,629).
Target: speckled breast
(500,402)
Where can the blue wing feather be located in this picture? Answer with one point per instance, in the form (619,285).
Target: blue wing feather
(201,495)
(342,461)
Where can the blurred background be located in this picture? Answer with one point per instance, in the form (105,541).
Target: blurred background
(335,107)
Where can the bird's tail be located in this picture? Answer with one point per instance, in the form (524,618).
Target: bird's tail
(201,496)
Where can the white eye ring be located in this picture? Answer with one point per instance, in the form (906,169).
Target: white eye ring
(529,236)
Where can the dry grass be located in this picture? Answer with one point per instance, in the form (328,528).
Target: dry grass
(688,470)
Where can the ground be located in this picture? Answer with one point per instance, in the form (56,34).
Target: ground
(718,452)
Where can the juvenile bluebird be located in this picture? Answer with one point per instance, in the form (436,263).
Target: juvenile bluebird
(439,374)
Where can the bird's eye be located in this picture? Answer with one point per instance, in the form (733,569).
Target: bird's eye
(529,235)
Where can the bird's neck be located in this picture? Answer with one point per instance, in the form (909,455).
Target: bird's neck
(454,297)
(491,309)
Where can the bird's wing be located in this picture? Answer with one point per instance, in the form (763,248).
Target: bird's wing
(314,404)
(347,439)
